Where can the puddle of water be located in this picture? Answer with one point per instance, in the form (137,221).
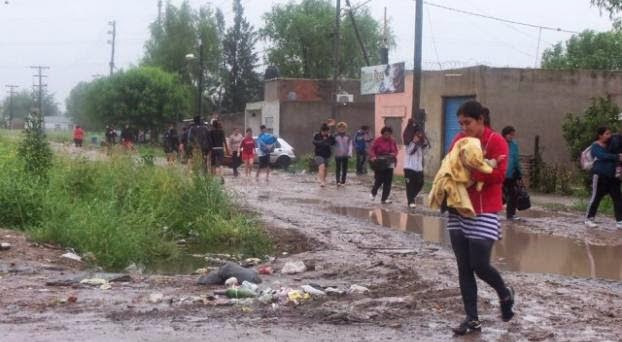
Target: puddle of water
(184,264)
(517,251)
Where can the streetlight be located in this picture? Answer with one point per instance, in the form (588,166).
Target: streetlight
(191,57)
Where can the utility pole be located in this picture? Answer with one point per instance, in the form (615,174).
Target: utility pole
(417,114)
(384,50)
(336,60)
(11,93)
(200,85)
(356,31)
(112,42)
(160,13)
(40,86)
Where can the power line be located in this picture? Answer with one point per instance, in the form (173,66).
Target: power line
(40,87)
(112,42)
(549,28)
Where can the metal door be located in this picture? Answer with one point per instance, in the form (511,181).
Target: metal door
(451,126)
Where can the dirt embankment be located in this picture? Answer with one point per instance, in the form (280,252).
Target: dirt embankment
(413,283)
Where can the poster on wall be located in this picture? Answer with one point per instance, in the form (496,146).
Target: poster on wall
(383,79)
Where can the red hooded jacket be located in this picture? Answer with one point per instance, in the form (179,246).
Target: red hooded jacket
(490,199)
(383,146)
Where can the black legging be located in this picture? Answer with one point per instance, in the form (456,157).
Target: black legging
(473,257)
(414,184)
(384,178)
(601,187)
(341,169)
(509,190)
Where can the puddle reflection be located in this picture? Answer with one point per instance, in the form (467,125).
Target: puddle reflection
(517,251)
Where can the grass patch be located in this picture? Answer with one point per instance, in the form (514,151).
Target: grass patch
(123,212)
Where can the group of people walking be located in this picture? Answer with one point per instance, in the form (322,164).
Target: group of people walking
(208,141)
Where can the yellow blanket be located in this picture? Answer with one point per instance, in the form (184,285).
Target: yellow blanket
(453,177)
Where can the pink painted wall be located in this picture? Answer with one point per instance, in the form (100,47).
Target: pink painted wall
(395,105)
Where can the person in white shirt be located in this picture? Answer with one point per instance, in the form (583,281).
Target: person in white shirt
(413,165)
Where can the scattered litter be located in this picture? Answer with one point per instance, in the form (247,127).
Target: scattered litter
(358,289)
(265,270)
(72,256)
(72,299)
(122,279)
(297,297)
(94,281)
(201,271)
(219,276)
(135,269)
(66,282)
(232,282)
(240,293)
(266,298)
(245,302)
(5,246)
(294,267)
(155,298)
(313,291)
(332,291)
(250,286)
(106,286)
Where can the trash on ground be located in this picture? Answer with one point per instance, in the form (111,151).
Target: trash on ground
(232,282)
(5,246)
(94,281)
(106,286)
(65,282)
(72,256)
(230,269)
(135,269)
(72,299)
(240,293)
(250,262)
(250,286)
(265,270)
(297,297)
(332,291)
(126,278)
(313,291)
(156,298)
(358,289)
(201,271)
(294,267)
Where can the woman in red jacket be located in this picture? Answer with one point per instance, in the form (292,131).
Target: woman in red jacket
(383,154)
(472,238)
(78,136)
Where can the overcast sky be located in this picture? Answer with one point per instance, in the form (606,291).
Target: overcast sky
(70,36)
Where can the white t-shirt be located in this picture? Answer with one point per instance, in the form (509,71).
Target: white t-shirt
(413,161)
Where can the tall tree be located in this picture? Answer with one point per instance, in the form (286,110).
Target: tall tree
(180,32)
(611,6)
(301,35)
(587,50)
(241,83)
(144,97)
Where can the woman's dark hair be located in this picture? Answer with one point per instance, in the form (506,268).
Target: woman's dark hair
(486,114)
(249,130)
(216,124)
(386,129)
(471,109)
(601,130)
(365,128)
(324,128)
(507,130)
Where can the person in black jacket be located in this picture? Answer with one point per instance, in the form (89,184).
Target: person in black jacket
(323,142)
(218,150)
(171,143)
(199,139)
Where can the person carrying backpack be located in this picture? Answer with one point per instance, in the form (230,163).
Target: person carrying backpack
(266,144)
(604,181)
(513,174)
(199,139)
(361,142)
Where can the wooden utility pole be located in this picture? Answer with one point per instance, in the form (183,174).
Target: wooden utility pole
(336,55)
(11,94)
(112,42)
(416,101)
(40,86)
(384,50)
(356,31)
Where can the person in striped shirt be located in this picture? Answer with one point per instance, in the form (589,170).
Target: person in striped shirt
(472,238)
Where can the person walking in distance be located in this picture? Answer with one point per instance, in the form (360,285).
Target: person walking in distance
(185,149)
(200,141)
(219,149)
(361,142)
(78,136)
(247,150)
(323,142)
(171,143)
(472,238)
(513,175)
(383,154)
(413,165)
(127,138)
(604,181)
(235,141)
(266,144)
(343,152)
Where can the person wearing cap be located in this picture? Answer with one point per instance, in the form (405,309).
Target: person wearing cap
(343,152)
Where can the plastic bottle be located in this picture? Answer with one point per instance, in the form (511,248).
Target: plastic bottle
(240,293)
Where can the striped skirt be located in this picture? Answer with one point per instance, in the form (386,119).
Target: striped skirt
(482,226)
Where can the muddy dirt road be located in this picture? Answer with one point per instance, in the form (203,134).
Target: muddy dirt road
(400,256)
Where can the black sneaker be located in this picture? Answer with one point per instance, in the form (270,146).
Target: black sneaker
(468,326)
(506,306)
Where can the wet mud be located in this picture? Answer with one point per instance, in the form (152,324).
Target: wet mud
(567,279)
